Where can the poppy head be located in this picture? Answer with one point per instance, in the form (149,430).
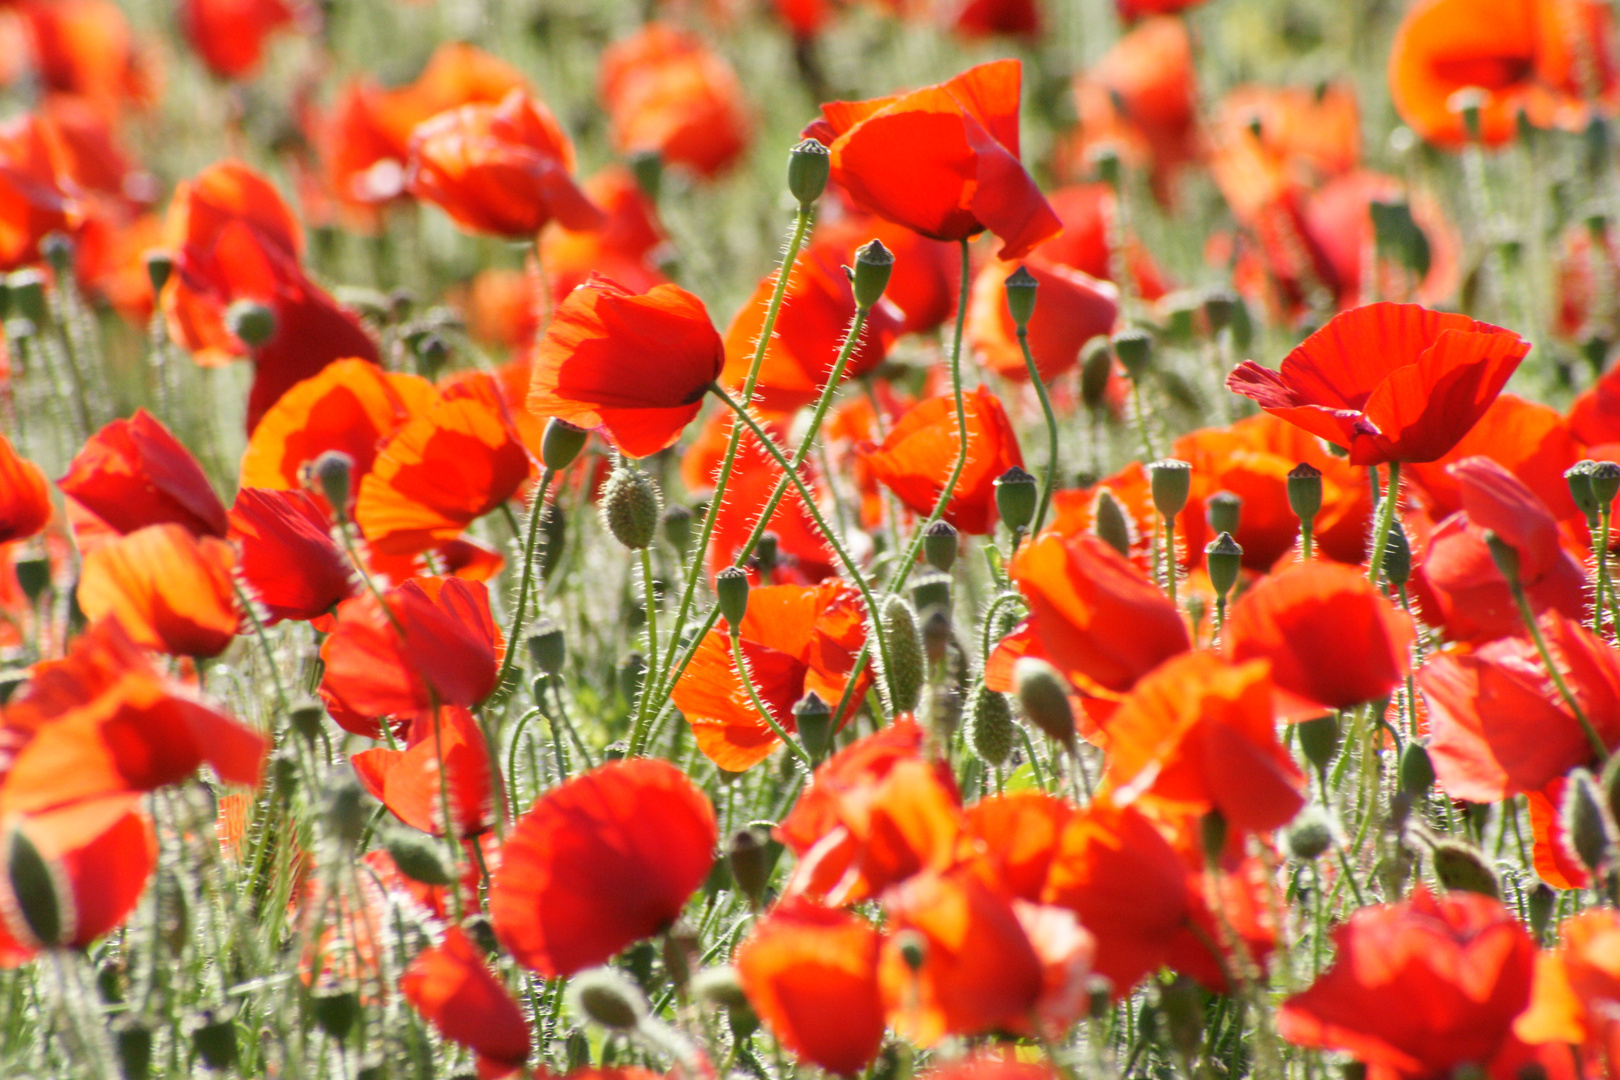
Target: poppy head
(25,497)
(171,590)
(451,985)
(1071,308)
(133,473)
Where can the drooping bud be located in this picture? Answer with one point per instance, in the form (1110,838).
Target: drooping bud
(418,857)
(990,725)
(903,677)
(1108,521)
(1461,868)
(159,265)
(940,545)
(1397,555)
(1171,483)
(1416,770)
(307,718)
(1586,823)
(432,353)
(1096,365)
(731,594)
(1224,512)
(1021,287)
(809,166)
(873,265)
(607,997)
(548,647)
(721,987)
(561,443)
(1504,555)
(251,322)
(631,506)
(1224,558)
(813,717)
(1135,351)
(42,894)
(1016,498)
(334,472)
(1319,739)
(748,854)
(1043,695)
(1305,492)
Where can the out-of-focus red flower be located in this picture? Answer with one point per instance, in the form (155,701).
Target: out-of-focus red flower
(634,366)
(795,641)
(1019,833)
(1071,308)
(1576,990)
(1539,57)
(288,557)
(451,986)
(601,861)
(25,497)
(1528,439)
(917,457)
(667,92)
(449,750)
(982,18)
(1314,132)
(38,195)
(1086,243)
(172,591)
(502,169)
(923,282)
(110,260)
(230,35)
(802,956)
(1388,382)
(133,473)
(1595,416)
(1141,99)
(86,48)
(1420,987)
(943,160)
(1130,10)
(625,247)
(1588,260)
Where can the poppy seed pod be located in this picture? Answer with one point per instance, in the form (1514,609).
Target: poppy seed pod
(873,265)
(1212,833)
(1319,739)
(1605,483)
(1096,365)
(1309,835)
(1579,478)
(334,472)
(1541,902)
(1462,868)
(1219,306)
(561,443)
(903,674)
(647,167)
(813,717)
(990,725)
(344,811)
(57,248)
(252,323)
(1171,483)
(1224,512)
(548,647)
(913,949)
(336,1009)
(749,856)
(1305,492)
(731,593)
(306,717)
(631,506)
(940,545)
(1108,521)
(42,897)
(418,857)
(1016,498)
(1585,821)
(1416,770)
(1021,287)
(1223,557)
(1044,698)
(765,553)
(1135,351)
(809,166)
(159,265)
(607,997)
(931,590)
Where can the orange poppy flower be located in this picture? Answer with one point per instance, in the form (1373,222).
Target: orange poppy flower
(171,590)
(230,35)
(943,160)
(1528,439)
(1595,416)
(462,558)
(37,193)
(501,169)
(795,641)
(802,956)
(1420,987)
(287,555)
(86,48)
(25,498)
(1314,132)
(104,721)
(601,861)
(1141,99)
(920,451)
(923,283)
(1086,243)
(1131,10)
(1332,639)
(133,473)
(1575,990)
(407,781)
(634,366)
(1097,617)
(665,91)
(451,986)
(816,311)
(435,645)
(625,247)
(110,260)
(1388,382)
(1530,56)
(1019,833)
(1071,308)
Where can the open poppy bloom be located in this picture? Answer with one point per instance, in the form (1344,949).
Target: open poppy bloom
(923,281)
(1071,308)
(230,35)
(1576,989)
(451,986)
(917,457)
(447,744)
(1420,987)
(133,473)
(1086,243)
(626,246)
(802,956)
(795,641)
(943,160)
(633,366)
(171,590)
(288,557)
(1388,382)
(1528,439)
(502,169)
(87,48)
(25,497)
(37,193)
(1595,416)
(666,92)
(601,861)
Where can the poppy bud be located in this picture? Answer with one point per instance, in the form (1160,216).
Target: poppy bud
(418,857)
(432,353)
(1310,834)
(547,646)
(749,856)
(1224,511)
(1099,996)
(632,672)
(561,443)
(682,949)
(1461,868)
(1319,739)
(1585,822)
(1416,770)
(306,717)
(903,677)
(41,894)
(132,1040)
(765,553)
(213,1037)
(720,987)
(940,545)
(336,1009)
(1397,555)
(1016,498)
(1579,478)
(1179,309)
(990,725)
(554,527)
(936,633)
(607,997)
(1182,1005)
(1105,159)
(284,766)
(57,248)
(334,471)
(1541,902)
(813,717)
(1467,103)
(1135,351)
(1305,492)
(647,166)
(1504,555)
(809,165)
(577,1050)
(159,265)
(344,810)
(1044,697)
(1108,521)
(1096,365)
(1212,832)
(631,506)
(33,577)
(1171,482)
(1605,483)
(1224,558)
(252,323)
(1021,287)
(873,265)
(1219,305)
(913,949)
(28,295)
(931,590)
(677,524)
(731,593)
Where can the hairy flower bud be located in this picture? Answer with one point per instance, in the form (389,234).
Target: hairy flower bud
(631,506)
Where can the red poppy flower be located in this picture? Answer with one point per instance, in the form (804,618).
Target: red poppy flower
(1528,439)
(626,247)
(1071,308)
(86,48)
(25,498)
(1530,56)
(919,453)
(1087,243)
(1388,382)
(110,260)
(1595,416)
(439,647)
(104,721)
(171,590)
(288,557)
(982,18)
(1333,640)
(795,641)
(462,558)
(449,749)
(942,160)
(665,91)
(230,35)
(133,473)
(802,956)
(923,283)
(501,169)
(601,861)
(1587,258)
(634,366)
(451,986)
(37,194)
(1019,833)
(1420,987)
(816,311)
(1575,990)
(1130,10)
